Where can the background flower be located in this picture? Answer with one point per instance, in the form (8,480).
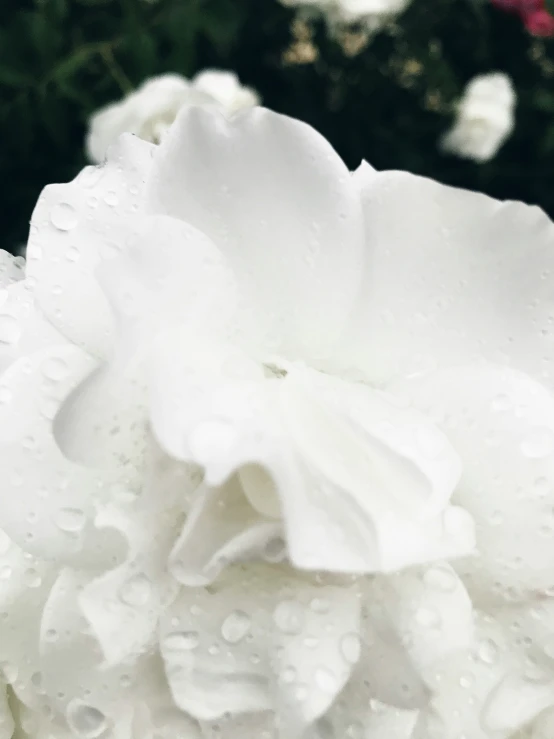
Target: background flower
(149,111)
(484,119)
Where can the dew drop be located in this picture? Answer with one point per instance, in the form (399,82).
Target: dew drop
(63,217)
(500,403)
(274,550)
(72,254)
(136,591)
(351,647)
(440,578)
(70,520)
(466,680)
(235,627)
(319,605)
(111,199)
(54,369)
(10,331)
(289,617)
(487,651)
(181,641)
(85,720)
(288,675)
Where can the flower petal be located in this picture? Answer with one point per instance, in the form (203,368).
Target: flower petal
(297,258)
(123,605)
(156,295)
(459,276)
(277,646)
(79,684)
(75,226)
(47,506)
(23,327)
(483,692)
(500,421)
(222,527)
(24,586)
(366,471)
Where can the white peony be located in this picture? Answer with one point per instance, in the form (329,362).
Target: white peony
(370,13)
(150,110)
(277,444)
(485,118)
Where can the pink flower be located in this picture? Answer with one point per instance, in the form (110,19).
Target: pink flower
(536,19)
(539,23)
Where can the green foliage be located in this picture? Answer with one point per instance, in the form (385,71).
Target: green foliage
(60,60)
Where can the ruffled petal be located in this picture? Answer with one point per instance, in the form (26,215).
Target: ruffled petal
(501,424)
(459,276)
(74,227)
(260,639)
(123,605)
(483,692)
(25,583)
(297,258)
(47,506)
(221,528)
(23,328)
(163,300)
(92,696)
(369,473)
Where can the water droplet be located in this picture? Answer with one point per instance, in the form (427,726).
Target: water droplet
(55,369)
(10,330)
(319,605)
(36,680)
(5,572)
(235,627)
(72,254)
(111,199)
(487,651)
(428,617)
(51,635)
(466,680)
(440,578)
(288,675)
(136,591)
(70,520)
(325,679)
(289,617)
(275,550)
(500,403)
(181,641)
(85,720)
(541,487)
(351,647)
(64,217)
(539,443)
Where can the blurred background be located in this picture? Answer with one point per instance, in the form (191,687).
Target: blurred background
(387,99)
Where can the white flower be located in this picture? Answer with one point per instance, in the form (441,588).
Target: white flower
(370,13)
(149,111)
(275,460)
(485,118)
